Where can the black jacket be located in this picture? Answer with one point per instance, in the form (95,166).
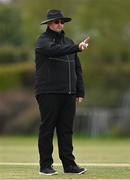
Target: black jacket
(58,69)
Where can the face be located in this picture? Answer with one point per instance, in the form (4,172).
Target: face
(56,25)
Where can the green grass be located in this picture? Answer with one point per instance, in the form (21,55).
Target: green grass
(24,149)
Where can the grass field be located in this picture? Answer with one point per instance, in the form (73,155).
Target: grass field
(104,159)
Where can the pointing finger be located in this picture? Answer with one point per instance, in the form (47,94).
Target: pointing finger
(87,40)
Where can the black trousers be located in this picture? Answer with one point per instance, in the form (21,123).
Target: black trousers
(57,111)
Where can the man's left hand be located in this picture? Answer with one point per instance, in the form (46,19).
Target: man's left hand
(79,99)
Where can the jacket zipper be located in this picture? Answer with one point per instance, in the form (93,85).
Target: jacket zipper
(69,75)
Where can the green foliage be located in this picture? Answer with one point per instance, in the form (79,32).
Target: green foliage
(108,25)
(11,36)
(11,54)
(16,76)
(9,81)
(105,82)
(10,25)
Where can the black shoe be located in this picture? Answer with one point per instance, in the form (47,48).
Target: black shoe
(74,169)
(48,171)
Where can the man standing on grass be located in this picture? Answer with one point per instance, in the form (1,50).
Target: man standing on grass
(59,85)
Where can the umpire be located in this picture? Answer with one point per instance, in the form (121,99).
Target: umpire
(58,84)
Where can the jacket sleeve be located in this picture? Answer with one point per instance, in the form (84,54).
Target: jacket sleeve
(80,92)
(49,48)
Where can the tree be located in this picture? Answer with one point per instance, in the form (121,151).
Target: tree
(10,26)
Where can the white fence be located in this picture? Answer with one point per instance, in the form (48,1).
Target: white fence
(99,121)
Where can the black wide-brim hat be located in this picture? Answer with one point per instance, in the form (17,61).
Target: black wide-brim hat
(55,14)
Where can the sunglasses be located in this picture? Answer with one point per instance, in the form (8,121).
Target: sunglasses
(59,22)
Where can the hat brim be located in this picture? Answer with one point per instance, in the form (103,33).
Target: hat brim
(65,19)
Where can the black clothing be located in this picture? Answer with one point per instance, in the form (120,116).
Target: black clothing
(47,171)
(58,69)
(58,81)
(57,110)
(74,169)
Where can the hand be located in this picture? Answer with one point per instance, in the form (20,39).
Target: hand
(84,44)
(79,99)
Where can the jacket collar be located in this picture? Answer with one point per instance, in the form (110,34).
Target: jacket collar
(55,34)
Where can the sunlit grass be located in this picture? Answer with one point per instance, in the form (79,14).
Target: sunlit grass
(24,150)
